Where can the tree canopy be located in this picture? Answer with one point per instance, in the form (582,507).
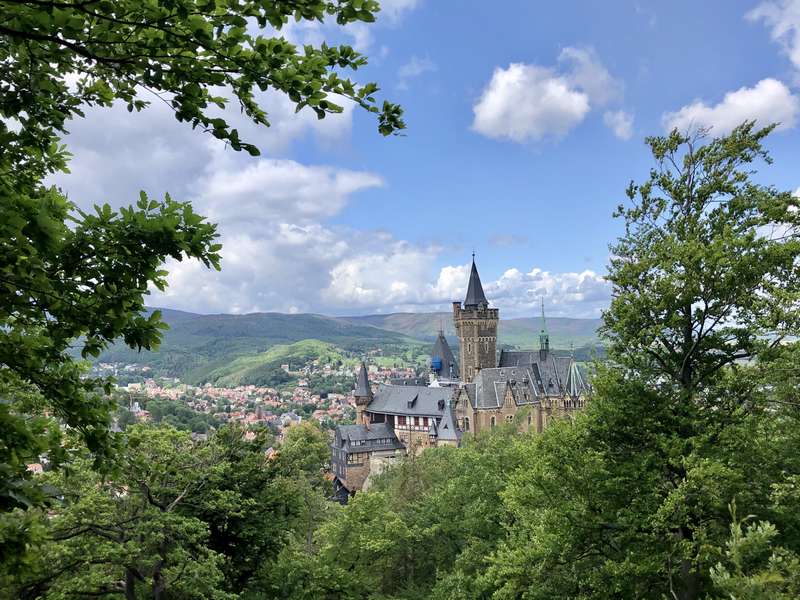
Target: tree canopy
(73,279)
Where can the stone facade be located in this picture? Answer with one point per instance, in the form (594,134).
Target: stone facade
(527,388)
(476,327)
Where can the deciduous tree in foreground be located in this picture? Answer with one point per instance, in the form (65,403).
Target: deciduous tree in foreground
(68,275)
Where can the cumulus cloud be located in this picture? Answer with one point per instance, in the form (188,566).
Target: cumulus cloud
(116,153)
(277,189)
(783,19)
(585,71)
(769,101)
(526,102)
(620,123)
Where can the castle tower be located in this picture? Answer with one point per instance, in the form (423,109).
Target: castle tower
(362,393)
(476,325)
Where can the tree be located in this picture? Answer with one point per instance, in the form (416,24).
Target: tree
(632,499)
(705,274)
(697,407)
(73,278)
(129,534)
(177,519)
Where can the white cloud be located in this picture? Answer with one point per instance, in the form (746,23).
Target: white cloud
(769,101)
(395,10)
(267,190)
(414,68)
(587,73)
(530,102)
(117,153)
(620,123)
(527,102)
(783,19)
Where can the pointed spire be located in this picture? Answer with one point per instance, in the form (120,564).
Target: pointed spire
(362,383)
(475,295)
(544,338)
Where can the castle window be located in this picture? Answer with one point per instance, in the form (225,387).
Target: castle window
(466,423)
(530,420)
(492,422)
(509,418)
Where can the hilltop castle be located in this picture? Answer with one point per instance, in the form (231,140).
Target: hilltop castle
(476,393)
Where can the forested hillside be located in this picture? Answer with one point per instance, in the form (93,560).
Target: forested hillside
(195,346)
(198,348)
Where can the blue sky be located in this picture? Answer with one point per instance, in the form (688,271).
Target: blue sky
(524,127)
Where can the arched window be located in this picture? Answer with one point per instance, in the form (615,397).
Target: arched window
(530,419)
(492,422)
(466,423)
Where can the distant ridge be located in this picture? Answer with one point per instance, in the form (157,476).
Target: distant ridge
(198,345)
(522,332)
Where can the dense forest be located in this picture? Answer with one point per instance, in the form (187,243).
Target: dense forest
(681,478)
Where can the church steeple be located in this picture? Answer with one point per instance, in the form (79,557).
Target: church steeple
(475,296)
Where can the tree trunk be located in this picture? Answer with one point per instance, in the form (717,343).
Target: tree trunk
(130,585)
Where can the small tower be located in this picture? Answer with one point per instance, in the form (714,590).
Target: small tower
(443,363)
(476,325)
(544,338)
(362,394)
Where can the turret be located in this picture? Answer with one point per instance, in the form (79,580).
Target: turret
(443,362)
(362,393)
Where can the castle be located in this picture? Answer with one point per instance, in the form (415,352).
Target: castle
(478,392)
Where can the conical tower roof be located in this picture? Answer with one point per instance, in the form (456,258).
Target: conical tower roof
(475,295)
(362,383)
(447,366)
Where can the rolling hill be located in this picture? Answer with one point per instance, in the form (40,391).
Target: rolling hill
(198,348)
(195,345)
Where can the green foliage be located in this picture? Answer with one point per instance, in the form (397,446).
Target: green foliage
(175,519)
(753,568)
(253,370)
(197,345)
(74,278)
(179,416)
(629,499)
(62,281)
(61,57)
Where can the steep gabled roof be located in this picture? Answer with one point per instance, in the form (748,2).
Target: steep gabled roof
(446,428)
(362,384)
(475,295)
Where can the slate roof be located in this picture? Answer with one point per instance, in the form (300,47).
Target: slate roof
(441,349)
(489,387)
(362,384)
(417,381)
(475,295)
(411,400)
(550,372)
(374,438)
(446,428)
